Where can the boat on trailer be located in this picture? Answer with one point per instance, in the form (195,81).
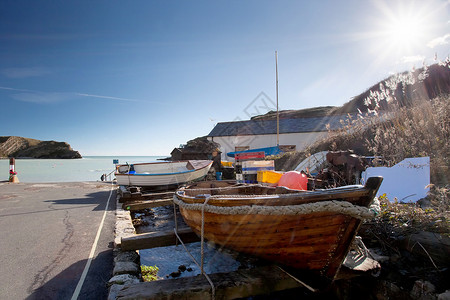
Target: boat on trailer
(162,173)
(304,230)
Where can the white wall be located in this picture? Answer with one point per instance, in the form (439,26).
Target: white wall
(300,140)
(407,181)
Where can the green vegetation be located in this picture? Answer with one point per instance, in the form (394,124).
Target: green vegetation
(404,219)
(149,273)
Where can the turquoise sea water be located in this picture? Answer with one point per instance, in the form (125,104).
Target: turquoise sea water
(88,168)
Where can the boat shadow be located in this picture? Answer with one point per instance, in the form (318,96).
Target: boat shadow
(99,199)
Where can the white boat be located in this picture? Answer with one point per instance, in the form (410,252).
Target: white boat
(162,173)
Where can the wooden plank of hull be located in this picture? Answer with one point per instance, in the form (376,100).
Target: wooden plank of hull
(264,222)
(318,224)
(347,236)
(315,242)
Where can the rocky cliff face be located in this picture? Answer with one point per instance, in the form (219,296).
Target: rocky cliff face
(14,146)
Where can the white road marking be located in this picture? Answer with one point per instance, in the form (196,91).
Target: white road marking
(76,293)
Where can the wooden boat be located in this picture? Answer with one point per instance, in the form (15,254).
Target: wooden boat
(162,173)
(307,230)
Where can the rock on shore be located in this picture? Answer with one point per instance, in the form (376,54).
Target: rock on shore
(20,147)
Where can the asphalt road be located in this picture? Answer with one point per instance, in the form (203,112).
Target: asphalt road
(47,232)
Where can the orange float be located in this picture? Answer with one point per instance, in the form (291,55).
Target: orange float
(294,180)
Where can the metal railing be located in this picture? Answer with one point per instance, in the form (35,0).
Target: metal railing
(109,176)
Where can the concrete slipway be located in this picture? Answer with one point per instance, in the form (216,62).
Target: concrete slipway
(56,240)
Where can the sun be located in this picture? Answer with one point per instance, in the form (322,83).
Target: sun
(402,29)
(404,33)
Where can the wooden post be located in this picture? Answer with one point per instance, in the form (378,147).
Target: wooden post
(12,171)
(278,115)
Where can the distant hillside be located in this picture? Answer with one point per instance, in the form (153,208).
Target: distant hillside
(403,89)
(399,90)
(301,113)
(20,147)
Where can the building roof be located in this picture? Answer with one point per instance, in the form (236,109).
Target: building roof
(261,127)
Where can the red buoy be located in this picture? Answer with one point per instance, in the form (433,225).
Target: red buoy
(294,180)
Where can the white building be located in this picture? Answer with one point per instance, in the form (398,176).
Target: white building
(294,134)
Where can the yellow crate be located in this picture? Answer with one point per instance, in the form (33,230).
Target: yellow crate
(227,164)
(269,176)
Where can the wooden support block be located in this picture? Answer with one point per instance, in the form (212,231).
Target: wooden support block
(162,195)
(157,239)
(238,284)
(133,206)
(124,194)
(133,194)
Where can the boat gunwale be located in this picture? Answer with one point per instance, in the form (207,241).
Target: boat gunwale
(301,198)
(345,193)
(166,162)
(162,174)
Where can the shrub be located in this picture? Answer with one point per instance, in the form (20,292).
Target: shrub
(149,273)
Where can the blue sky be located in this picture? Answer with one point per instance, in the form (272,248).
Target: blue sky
(142,77)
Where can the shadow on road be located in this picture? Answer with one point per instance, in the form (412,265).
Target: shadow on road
(63,285)
(98,198)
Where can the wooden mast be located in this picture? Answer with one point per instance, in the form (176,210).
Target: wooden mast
(278,118)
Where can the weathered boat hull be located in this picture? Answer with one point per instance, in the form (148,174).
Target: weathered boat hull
(163,174)
(316,241)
